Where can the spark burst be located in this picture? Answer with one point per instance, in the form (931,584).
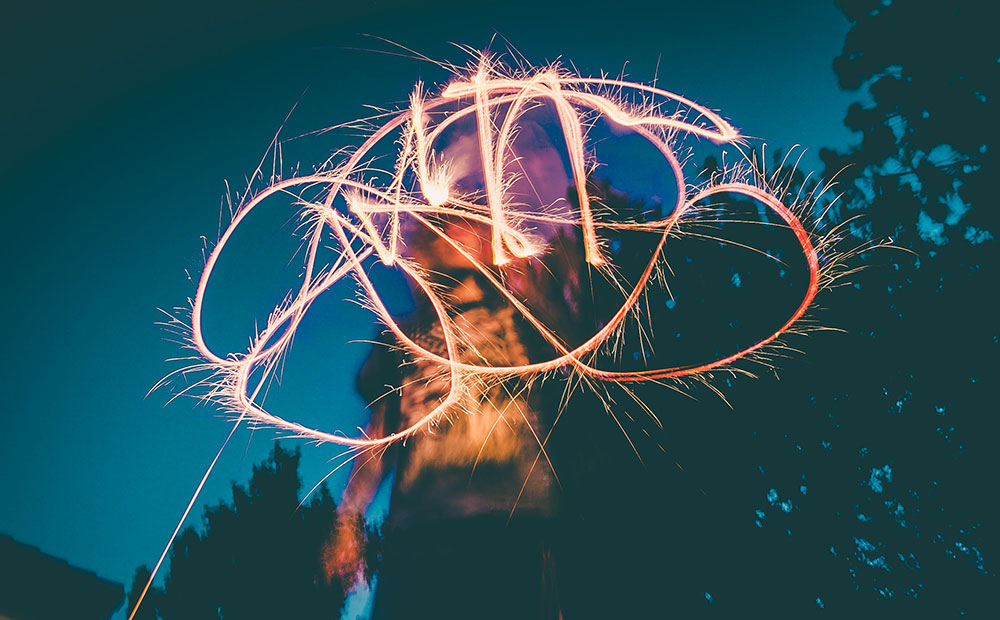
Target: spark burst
(368,219)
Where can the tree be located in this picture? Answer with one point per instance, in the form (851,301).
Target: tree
(907,399)
(259,556)
(922,171)
(853,484)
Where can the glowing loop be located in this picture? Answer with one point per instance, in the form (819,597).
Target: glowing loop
(484,97)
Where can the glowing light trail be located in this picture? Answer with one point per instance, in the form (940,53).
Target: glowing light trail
(492,100)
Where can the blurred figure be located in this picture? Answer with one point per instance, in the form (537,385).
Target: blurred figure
(471,520)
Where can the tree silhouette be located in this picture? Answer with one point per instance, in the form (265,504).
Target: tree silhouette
(854,485)
(886,424)
(922,169)
(258,556)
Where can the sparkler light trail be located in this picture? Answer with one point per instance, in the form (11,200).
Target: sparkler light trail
(371,216)
(421,192)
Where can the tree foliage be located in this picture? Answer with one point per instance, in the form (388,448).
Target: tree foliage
(258,556)
(854,486)
(922,170)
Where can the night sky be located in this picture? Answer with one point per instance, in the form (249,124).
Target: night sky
(122,123)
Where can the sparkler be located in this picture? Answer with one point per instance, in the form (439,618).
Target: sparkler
(496,102)
(367,220)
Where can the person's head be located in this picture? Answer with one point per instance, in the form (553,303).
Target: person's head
(433,251)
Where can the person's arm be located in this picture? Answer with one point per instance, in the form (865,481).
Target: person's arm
(343,555)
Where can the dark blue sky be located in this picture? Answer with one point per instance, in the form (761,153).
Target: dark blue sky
(124,124)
